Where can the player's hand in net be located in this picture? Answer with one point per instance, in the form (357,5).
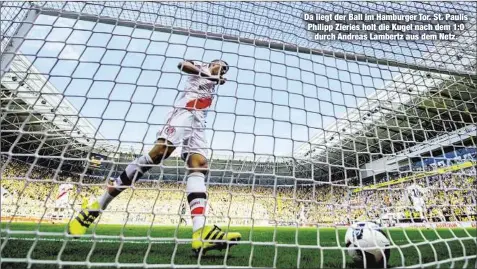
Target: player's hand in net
(190,67)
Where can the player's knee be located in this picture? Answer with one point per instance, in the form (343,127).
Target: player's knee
(161,150)
(197,163)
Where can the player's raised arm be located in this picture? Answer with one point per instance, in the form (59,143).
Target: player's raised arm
(217,70)
(190,68)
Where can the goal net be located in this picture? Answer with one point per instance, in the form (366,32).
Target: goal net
(305,138)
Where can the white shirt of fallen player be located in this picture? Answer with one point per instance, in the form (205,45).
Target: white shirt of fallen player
(185,125)
(416,196)
(63,196)
(5,195)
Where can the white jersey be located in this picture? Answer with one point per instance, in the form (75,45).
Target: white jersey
(185,125)
(5,195)
(198,93)
(416,196)
(62,197)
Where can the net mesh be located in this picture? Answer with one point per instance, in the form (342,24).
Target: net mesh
(283,23)
(305,138)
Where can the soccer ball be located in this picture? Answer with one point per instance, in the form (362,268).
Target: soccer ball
(368,245)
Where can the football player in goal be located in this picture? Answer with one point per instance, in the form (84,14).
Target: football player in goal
(183,212)
(185,126)
(415,194)
(62,202)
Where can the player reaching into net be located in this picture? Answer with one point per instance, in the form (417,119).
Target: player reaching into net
(185,126)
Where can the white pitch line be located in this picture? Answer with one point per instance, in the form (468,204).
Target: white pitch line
(173,242)
(119,241)
(86,240)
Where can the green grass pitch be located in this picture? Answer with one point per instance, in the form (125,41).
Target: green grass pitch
(292,248)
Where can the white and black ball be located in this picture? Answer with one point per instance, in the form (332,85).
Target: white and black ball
(368,245)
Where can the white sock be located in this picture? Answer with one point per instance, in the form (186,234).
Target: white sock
(198,222)
(197,197)
(105,199)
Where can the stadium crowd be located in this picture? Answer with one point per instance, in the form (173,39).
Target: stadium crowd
(450,196)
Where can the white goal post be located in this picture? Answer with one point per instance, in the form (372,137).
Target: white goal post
(305,138)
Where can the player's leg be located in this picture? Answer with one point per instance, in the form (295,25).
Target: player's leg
(161,150)
(168,139)
(194,151)
(196,189)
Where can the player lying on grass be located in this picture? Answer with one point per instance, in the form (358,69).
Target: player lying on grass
(185,126)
